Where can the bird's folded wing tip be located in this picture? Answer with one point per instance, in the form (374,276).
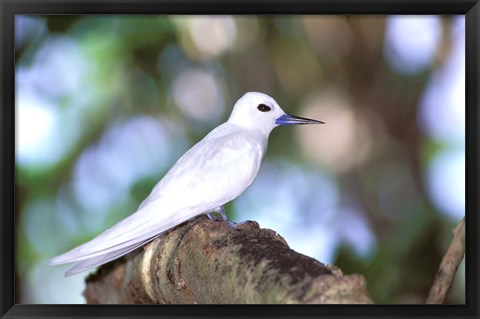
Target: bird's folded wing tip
(53,261)
(58,260)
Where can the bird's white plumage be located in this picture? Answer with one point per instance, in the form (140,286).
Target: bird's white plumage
(213,172)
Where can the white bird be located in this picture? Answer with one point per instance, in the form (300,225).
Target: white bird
(212,173)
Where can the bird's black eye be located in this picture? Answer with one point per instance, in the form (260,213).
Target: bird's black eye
(263,108)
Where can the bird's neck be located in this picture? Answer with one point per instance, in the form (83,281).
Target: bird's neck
(252,128)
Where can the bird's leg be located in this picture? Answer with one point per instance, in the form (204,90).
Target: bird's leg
(220,211)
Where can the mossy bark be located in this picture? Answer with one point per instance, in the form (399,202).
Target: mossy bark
(208,262)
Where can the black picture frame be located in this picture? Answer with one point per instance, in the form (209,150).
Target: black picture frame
(10,8)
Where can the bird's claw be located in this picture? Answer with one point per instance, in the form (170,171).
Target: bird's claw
(220,212)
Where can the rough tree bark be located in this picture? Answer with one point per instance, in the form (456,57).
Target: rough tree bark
(209,262)
(448,267)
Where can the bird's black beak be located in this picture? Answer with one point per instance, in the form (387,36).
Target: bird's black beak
(287,119)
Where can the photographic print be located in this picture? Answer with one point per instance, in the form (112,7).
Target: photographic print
(240,159)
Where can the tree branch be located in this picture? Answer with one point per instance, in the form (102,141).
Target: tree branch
(209,262)
(448,267)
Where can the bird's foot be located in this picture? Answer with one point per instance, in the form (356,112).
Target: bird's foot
(223,217)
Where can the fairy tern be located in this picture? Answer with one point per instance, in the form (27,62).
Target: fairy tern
(213,172)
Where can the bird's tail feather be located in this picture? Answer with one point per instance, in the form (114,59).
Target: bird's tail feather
(103,259)
(102,245)
(136,228)
(130,233)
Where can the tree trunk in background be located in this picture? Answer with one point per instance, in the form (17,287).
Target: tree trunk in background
(209,262)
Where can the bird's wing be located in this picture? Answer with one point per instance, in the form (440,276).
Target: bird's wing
(217,169)
(213,172)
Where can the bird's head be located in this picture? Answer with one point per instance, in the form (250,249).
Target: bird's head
(258,111)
